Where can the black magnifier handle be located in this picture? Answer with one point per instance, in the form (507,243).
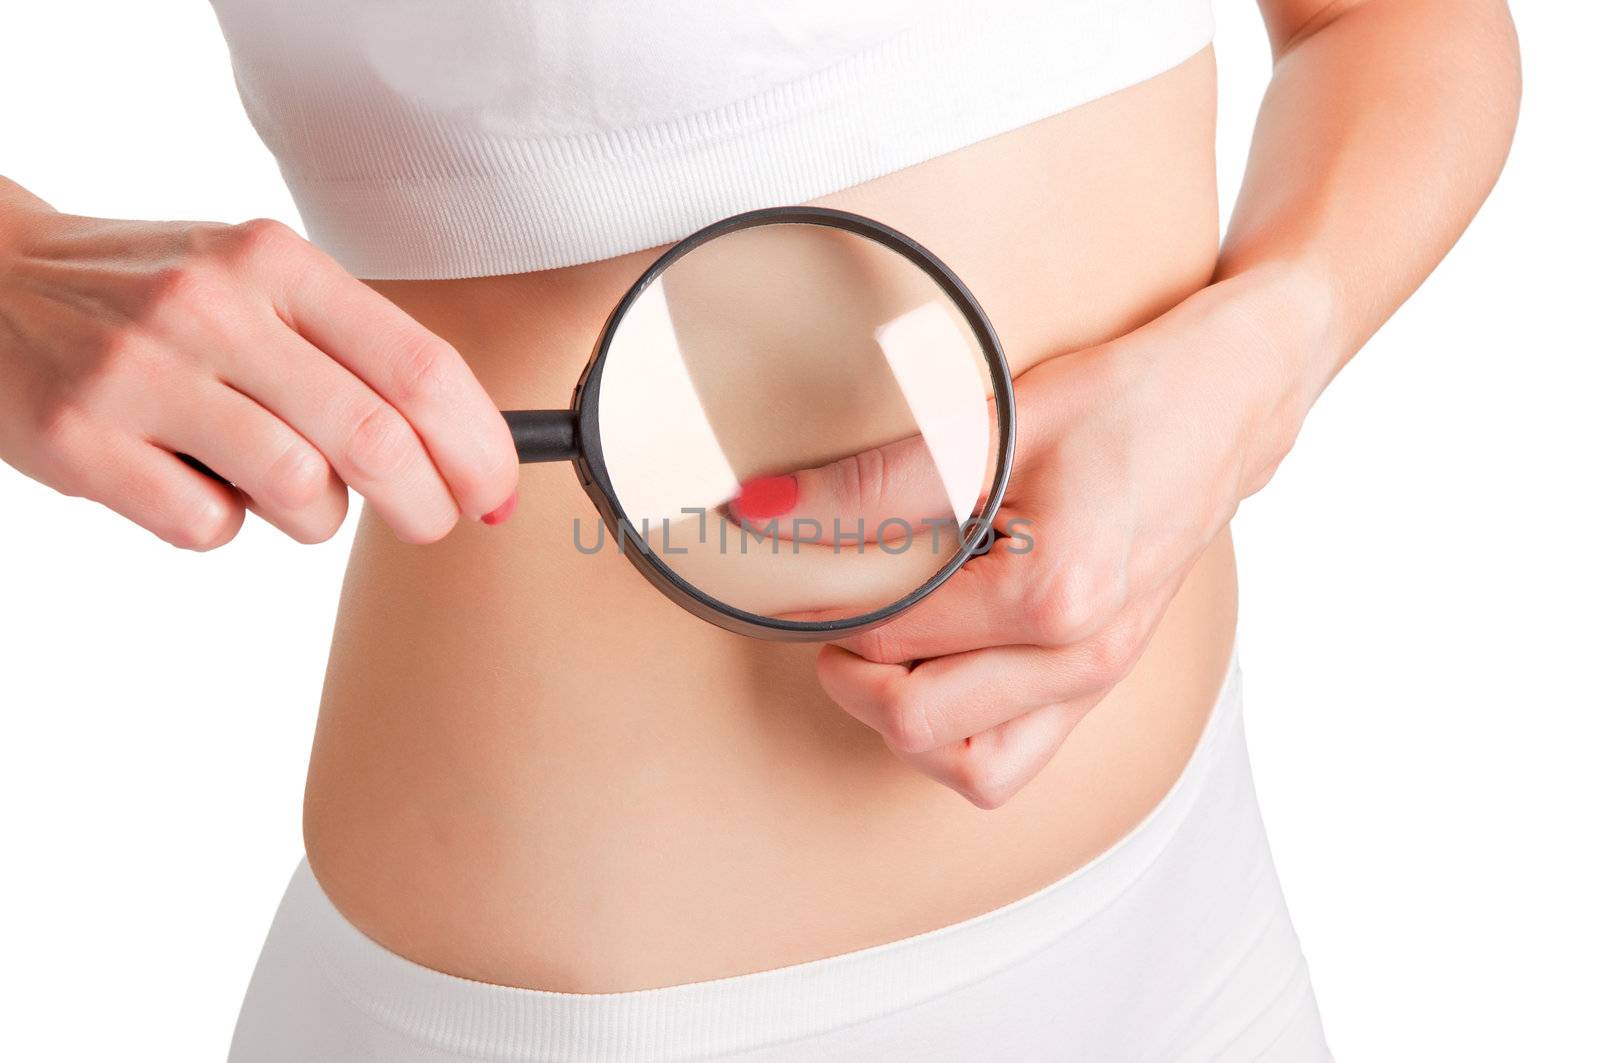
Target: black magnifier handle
(543,435)
(203,469)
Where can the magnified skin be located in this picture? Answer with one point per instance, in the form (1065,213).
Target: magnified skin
(782,346)
(776,328)
(751,568)
(533,769)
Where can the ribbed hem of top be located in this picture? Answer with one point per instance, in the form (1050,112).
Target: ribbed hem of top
(754,1011)
(953,81)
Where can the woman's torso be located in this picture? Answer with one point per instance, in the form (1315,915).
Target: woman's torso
(534,770)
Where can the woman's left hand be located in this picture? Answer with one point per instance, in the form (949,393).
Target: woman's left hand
(1131,457)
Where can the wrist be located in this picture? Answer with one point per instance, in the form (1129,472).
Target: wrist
(1246,357)
(1277,329)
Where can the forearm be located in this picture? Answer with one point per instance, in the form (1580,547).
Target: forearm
(1385,125)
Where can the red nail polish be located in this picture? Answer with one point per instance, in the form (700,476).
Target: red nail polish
(765,498)
(502,512)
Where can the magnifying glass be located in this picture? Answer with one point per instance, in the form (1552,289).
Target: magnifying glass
(796,424)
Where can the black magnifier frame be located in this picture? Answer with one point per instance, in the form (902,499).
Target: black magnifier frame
(574,434)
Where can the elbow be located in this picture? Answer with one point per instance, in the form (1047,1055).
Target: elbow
(1488,55)
(1499,69)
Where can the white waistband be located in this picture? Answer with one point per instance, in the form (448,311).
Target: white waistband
(737,1014)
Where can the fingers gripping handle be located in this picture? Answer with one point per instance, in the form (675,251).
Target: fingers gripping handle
(539,435)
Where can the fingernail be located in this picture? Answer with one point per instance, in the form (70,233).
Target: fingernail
(765,497)
(502,512)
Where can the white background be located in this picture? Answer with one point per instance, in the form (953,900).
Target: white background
(1419,613)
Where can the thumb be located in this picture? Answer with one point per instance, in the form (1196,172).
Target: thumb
(879,495)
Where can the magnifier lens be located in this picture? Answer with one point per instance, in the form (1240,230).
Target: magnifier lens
(796,420)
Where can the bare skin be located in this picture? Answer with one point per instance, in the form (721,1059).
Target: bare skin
(533,770)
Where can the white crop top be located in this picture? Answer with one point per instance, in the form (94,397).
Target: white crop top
(456,138)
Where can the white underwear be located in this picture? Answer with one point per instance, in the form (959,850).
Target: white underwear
(1172,945)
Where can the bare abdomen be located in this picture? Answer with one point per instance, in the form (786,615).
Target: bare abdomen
(531,769)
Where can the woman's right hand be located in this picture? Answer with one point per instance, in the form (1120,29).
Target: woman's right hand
(125,344)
